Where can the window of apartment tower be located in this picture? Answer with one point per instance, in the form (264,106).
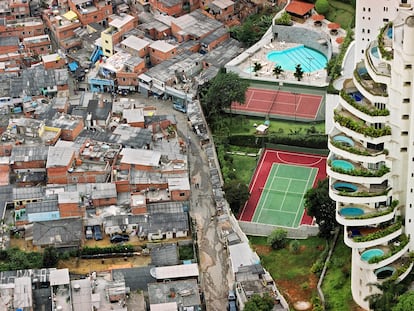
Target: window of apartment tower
(405,117)
(407,83)
(406,100)
(408,66)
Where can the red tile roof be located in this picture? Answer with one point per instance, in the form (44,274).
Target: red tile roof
(299,7)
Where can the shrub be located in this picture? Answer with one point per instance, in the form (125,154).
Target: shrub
(322,6)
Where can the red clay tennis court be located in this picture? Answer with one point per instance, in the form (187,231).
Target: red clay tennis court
(279,103)
(263,169)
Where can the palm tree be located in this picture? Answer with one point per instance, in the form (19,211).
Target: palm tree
(277,71)
(298,72)
(257,67)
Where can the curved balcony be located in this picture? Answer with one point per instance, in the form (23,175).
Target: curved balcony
(377,68)
(362,108)
(354,127)
(390,254)
(355,173)
(374,91)
(360,215)
(356,193)
(370,237)
(356,151)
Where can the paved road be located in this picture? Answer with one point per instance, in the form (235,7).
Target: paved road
(213,259)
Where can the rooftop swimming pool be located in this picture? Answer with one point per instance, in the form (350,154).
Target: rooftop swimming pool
(309,59)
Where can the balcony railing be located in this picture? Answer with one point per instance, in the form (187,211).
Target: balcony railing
(360,127)
(358,150)
(361,171)
(381,233)
(371,111)
(394,248)
(372,87)
(377,213)
(384,43)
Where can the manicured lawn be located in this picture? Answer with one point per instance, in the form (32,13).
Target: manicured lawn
(291,271)
(337,284)
(244,167)
(341,13)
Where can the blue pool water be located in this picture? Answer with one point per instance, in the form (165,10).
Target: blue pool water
(389,33)
(351,211)
(344,186)
(375,252)
(345,140)
(384,272)
(357,96)
(345,165)
(309,59)
(374,52)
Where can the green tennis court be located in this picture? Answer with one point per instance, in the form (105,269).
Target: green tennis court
(281,201)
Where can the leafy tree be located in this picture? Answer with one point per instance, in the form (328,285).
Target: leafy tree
(298,72)
(50,257)
(387,299)
(284,19)
(223,90)
(236,194)
(294,246)
(257,67)
(322,6)
(319,205)
(259,303)
(254,27)
(277,239)
(405,302)
(277,71)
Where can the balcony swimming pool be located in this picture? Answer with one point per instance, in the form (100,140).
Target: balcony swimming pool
(344,140)
(351,211)
(342,164)
(344,186)
(384,272)
(371,253)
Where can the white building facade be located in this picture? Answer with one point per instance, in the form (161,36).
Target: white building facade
(371,161)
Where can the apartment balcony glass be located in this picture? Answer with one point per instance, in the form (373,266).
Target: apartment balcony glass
(365,81)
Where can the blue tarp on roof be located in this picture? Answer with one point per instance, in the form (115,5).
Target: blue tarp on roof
(73,66)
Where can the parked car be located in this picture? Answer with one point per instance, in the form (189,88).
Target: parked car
(232,301)
(119,238)
(97,232)
(89,233)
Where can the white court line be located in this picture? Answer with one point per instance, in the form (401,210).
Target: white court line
(279,211)
(267,194)
(301,200)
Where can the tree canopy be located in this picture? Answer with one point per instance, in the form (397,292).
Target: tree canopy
(405,302)
(391,293)
(223,90)
(277,239)
(236,193)
(319,205)
(322,6)
(259,303)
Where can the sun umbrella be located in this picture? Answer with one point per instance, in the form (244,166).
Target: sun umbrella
(334,26)
(318,17)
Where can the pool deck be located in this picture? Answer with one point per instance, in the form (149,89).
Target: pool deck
(259,51)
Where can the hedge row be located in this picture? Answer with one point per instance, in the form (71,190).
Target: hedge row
(307,141)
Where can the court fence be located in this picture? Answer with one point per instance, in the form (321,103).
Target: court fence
(260,229)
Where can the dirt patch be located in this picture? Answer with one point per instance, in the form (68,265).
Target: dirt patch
(262,249)
(299,289)
(85,266)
